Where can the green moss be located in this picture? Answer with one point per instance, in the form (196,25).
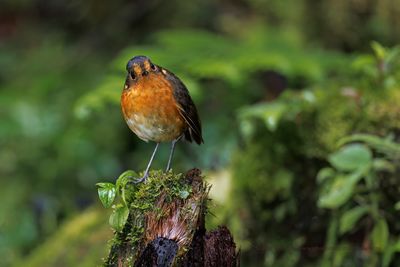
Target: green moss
(385,113)
(286,142)
(142,198)
(82,242)
(165,203)
(336,116)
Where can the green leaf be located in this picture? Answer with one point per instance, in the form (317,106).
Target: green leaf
(338,194)
(118,217)
(351,157)
(125,177)
(392,54)
(383,165)
(380,235)
(340,253)
(350,218)
(384,145)
(396,245)
(123,180)
(387,256)
(379,50)
(324,174)
(107,193)
(397,206)
(340,191)
(389,252)
(270,113)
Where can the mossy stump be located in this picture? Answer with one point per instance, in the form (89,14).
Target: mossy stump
(165,226)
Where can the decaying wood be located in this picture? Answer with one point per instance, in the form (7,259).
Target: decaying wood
(174,234)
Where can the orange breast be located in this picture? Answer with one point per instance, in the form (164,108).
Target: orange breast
(150,111)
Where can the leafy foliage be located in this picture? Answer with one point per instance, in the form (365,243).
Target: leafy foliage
(291,182)
(62,68)
(199,55)
(365,199)
(125,194)
(50,161)
(107,193)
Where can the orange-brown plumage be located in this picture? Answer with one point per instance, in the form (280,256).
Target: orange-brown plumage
(157,106)
(150,104)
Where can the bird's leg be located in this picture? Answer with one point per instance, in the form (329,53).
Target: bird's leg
(146,172)
(172,153)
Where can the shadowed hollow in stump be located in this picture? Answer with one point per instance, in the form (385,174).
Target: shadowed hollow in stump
(166,227)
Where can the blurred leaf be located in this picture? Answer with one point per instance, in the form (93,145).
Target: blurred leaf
(397,245)
(119,217)
(397,206)
(364,62)
(392,54)
(390,250)
(351,157)
(379,50)
(324,174)
(350,218)
(384,145)
(270,113)
(380,235)
(340,191)
(340,254)
(109,91)
(383,165)
(287,106)
(387,257)
(79,242)
(107,193)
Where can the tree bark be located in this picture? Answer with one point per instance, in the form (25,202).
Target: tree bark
(177,237)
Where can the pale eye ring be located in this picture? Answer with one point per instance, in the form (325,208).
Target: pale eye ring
(132,74)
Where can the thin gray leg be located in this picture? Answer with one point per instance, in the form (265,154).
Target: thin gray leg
(172,153)
(146,173)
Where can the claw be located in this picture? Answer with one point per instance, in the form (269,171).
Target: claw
(140,180)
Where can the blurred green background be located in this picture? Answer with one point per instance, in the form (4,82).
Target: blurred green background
(299,102)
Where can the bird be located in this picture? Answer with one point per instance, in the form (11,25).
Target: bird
(157,107)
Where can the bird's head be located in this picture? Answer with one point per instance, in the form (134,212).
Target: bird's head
(139,67)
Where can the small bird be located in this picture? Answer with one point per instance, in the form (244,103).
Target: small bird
(157,107)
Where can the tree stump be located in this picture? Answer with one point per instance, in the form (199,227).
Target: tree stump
(165,226)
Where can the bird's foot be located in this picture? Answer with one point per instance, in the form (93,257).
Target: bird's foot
(140,180)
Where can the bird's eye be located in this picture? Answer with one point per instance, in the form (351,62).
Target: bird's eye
(132,74)
(152,66)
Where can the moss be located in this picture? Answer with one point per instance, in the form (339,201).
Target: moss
(167,205)
(336,115)
(142,199)
(385,113)
(274,171)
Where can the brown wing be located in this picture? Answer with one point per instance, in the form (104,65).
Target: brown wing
(186,108)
